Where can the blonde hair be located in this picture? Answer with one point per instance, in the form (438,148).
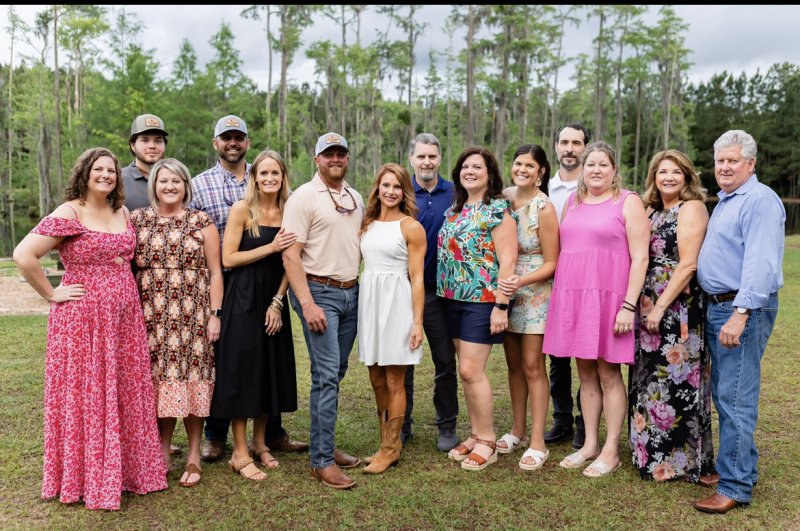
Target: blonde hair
(178,168)
(616,183)
(251,196)
(692,187)
(408,205)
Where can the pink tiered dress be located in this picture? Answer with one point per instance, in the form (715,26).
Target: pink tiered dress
(590,284)
(100,431)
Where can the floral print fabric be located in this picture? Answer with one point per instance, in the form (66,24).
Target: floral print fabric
(174,285)
(529,313)
(467,262)
(100,431)
(670,387)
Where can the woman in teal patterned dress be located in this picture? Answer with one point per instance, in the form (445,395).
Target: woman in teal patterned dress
(669,394)
(477,245)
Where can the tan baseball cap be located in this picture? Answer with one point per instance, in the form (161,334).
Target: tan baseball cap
(147,122)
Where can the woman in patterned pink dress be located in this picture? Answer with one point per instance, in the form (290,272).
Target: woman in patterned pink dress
(100,432)
(179,273)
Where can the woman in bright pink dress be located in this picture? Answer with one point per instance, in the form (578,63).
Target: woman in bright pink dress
(604,252)
(100,431)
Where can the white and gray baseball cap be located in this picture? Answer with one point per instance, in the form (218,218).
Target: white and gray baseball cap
(230,123)
(329,140)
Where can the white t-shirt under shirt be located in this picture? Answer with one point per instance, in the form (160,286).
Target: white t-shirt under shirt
(559,191)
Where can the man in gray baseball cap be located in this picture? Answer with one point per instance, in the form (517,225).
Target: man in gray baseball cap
(329,140)
(148,142)
(230,123)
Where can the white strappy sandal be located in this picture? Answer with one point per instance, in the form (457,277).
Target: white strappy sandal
(539,459)
(512,443)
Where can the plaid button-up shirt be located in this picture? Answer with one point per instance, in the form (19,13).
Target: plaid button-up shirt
(215,191)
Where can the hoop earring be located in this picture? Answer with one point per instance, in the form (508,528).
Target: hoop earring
(538,182)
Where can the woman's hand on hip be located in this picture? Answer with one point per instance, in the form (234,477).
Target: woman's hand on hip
(68,292)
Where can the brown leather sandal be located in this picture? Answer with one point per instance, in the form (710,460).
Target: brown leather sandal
(270,463)
(483,462)
(247,469)
(460,452)
(191,468)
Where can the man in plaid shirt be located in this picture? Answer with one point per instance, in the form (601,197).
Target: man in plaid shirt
(215,191)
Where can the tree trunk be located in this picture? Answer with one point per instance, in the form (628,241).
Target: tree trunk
(599,85)
(57,90)
(471,28)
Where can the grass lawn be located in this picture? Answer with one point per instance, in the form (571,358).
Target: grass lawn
(426,490)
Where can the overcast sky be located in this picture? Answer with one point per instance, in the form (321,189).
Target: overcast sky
(733,38)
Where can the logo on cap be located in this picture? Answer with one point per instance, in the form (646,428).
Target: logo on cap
(152,122)
(332,139)
(232,122)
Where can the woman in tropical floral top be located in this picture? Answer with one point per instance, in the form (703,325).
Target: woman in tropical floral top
(477,245)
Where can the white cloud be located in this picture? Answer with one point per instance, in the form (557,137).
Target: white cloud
(732,38)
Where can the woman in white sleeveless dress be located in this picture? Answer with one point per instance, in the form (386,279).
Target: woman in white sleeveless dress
(390,302)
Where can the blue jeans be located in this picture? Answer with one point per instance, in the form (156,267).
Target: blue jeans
(328,352)
(735,387)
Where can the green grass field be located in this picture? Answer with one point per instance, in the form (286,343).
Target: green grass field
(426,490)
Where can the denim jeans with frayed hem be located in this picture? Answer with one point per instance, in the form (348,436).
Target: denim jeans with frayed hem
(735,387)
(328,352)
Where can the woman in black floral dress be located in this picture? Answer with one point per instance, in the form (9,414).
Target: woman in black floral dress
(670,392)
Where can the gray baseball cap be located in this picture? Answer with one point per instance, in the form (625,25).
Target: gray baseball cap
(230,123)
(329,140)
(147,122)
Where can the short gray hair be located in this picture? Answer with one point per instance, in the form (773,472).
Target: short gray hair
(737,137)
(424,138)
(178,168)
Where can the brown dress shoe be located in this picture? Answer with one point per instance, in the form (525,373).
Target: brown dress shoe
(343,460)
(709,480)
(286,444)
(212,450)
(716,503)
(333,477)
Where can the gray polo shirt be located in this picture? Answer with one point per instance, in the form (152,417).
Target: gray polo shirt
(135,184)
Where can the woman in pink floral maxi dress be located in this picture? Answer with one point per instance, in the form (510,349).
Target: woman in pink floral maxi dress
(100,432)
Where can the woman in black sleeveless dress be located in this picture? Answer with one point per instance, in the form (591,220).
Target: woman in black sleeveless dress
(255,368)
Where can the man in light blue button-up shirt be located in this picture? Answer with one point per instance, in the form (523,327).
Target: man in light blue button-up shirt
(740,268)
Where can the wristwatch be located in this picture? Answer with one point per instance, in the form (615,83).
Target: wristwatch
(501,306)
(217,313)
(743,311)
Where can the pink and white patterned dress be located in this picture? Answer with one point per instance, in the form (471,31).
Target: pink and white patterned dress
(100,430)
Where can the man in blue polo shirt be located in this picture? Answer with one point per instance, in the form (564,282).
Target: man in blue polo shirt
(740,267)
(434,196)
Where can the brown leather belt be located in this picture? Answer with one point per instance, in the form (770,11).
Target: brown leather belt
(347,284)
(723,297)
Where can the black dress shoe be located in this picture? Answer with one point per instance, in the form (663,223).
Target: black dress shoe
(580,438)
(558,433)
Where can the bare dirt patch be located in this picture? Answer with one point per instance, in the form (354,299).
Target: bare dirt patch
(18,298)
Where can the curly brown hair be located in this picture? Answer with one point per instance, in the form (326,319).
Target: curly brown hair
(78,185)
(408,205)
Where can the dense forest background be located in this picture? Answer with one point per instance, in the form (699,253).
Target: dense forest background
(499,87)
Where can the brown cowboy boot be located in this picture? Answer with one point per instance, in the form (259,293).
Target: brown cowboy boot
(381,422)
(389,454)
